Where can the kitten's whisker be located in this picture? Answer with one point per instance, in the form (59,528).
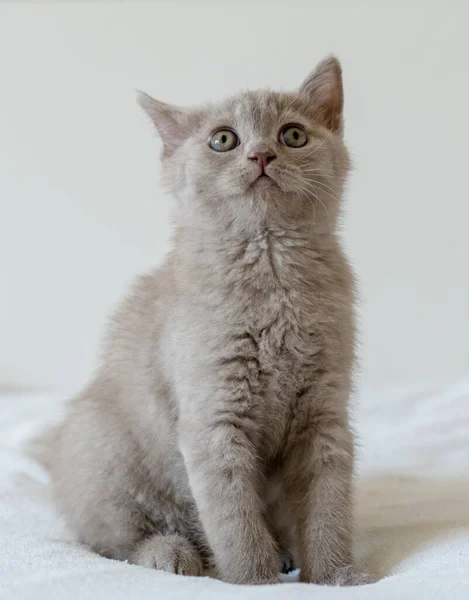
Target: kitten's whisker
(311,183)
(324,185)
(303,192)
(311,190)
(316,191)
(328,174)
(325,209)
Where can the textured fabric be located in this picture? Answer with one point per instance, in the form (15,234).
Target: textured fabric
(412,511)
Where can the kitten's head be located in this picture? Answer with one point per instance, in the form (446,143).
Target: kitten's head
(260,158)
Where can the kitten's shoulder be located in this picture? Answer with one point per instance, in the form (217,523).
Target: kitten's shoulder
(138,321)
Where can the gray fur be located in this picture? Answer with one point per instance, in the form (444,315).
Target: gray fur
(216,429)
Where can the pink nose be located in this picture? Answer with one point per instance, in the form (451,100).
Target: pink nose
(262,159)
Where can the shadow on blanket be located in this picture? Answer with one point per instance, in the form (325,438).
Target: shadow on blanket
(405,520)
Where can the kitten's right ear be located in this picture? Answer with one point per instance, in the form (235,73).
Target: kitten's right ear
(172,122)
(324,89)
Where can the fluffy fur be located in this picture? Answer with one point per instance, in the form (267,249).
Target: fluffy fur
(216,429)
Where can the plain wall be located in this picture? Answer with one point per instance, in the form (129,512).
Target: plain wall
(82,211)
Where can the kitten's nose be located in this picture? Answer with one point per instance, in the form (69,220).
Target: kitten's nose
(262,159)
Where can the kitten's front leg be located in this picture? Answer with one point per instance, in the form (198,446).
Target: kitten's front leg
(319,479)
(224,477)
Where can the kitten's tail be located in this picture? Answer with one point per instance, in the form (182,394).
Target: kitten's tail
(44,446)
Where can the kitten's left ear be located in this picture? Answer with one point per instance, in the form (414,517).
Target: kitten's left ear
(173,123)
(325,92)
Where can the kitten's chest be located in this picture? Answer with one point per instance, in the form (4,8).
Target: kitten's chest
(274,299)
(264,327)
(285,333)
(272,309)
(282,342)
(273,346)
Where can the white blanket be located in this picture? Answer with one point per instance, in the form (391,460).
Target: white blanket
(412,511)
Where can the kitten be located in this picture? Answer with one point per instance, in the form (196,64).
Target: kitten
(216,430)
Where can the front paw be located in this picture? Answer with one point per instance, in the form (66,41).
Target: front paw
(348,576)
(171,553)
(286,562)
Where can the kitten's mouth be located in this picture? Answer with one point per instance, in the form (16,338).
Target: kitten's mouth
(263,179)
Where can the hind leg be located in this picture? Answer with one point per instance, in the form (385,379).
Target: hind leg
(161,535)
(158,534)
(114,504)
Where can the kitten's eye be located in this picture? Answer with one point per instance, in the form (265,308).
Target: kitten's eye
(293,136)
(223,140)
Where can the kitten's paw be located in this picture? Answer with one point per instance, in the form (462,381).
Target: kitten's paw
(171,553)
(348,576)
(286,562)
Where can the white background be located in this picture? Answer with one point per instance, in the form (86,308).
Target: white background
(81,211)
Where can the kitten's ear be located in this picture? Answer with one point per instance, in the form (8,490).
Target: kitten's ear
(325,92)
(172,123)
